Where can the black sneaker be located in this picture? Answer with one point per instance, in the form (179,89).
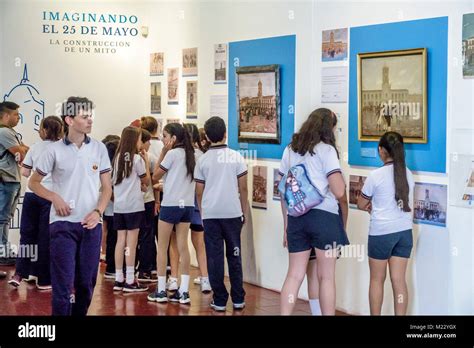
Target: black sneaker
(146,278)
(158,296)
(181,298)
(118,286)
(134,287)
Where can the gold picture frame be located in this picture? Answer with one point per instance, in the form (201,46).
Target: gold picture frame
(392,94)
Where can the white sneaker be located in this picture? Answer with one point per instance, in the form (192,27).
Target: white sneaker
(172,284)
(239,305)
(44,287)
(197,280)
(205,285)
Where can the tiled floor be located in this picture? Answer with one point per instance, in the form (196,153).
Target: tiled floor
(29,301)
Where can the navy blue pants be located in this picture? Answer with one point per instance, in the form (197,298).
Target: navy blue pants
(34,232)
(146,241)
(216,232)
(75,253)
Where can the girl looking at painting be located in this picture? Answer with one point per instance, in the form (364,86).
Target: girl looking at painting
(386,195)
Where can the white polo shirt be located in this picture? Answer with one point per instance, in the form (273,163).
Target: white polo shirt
(178,186)
(148,196)
(75,173)
(32,157)
(128,196)
(320,166)
(219,170)
(156,146)
(386,217)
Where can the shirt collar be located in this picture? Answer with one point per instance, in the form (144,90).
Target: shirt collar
(213,147)
(66,141)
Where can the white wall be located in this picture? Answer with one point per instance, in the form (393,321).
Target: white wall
(441,271)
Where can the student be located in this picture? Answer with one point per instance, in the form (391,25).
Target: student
(79,168)
(321,228)
(109,233)
(221,188)
(146,236)
(156,146)
(176,165)
(12,153)
(387,195)
(197,230)
(131,176)
(34,227)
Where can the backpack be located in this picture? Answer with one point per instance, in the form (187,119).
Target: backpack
(298,193)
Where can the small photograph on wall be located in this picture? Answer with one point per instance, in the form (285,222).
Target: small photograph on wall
(160,127)
(259,187)
(173,120)
(258,104)
(468,45)
(392,94)
(220,63)
(156,64)
(276,182)
(334,45)
(173,84)
(430,204)
(191,99)
(356,182)
(190,61)
(156,97)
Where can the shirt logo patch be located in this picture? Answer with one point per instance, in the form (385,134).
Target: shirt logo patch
(95,167)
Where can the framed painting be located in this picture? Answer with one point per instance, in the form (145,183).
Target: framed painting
(258,104)
(392,94)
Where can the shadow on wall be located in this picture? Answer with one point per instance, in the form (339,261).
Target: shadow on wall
(249,263)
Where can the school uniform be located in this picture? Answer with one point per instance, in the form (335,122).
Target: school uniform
(196,220)
(129,206)
(75,250)
(178,188)
(34,227)
(111,238)
(146,237)
(390,231)
(219,170)
(156,146)
(322,226)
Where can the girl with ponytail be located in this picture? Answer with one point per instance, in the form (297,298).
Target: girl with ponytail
(387,195)
(176,166)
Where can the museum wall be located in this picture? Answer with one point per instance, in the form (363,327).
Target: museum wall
(440,271)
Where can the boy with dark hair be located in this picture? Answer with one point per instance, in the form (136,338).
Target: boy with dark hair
(12,153)
(221,187)
(80,169)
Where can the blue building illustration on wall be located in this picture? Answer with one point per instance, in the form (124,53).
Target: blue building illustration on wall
(31,105)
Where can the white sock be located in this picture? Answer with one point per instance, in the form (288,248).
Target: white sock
(315,307)
(118,275)
(161,283)
(184,286)
(130,274)
(204,278)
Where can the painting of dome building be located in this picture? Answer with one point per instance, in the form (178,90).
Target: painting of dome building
(392,95)
(258,104)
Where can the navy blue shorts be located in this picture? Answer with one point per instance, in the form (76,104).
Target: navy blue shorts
(175,215)
(392,244)
(315,229)
(128,221)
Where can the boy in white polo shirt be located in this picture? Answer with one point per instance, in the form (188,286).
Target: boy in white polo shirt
(80,172)
(221,188)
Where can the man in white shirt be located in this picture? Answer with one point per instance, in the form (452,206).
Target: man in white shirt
(80,171)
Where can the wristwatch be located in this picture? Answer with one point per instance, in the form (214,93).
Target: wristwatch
(98,212)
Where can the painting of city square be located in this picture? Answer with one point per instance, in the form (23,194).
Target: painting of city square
(392,95)
(258,104)
(468,45)
(334,45)
(430,203)
(259,187)
(356,182)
